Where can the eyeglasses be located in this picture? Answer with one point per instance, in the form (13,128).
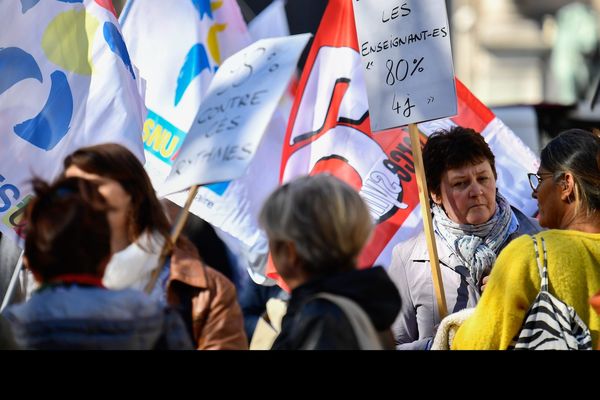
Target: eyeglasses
(536,179)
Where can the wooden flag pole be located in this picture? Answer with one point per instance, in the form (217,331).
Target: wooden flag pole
(183,214)
(175,232)
(427,223)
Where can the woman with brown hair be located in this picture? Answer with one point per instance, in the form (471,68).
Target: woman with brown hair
(140,234)
(472,223)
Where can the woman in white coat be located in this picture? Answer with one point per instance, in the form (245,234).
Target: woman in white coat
(472,223)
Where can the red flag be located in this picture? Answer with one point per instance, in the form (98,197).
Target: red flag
(329,131)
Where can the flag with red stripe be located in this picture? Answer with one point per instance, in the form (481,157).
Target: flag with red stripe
(329,131)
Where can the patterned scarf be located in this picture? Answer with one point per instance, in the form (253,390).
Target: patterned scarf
(477,245)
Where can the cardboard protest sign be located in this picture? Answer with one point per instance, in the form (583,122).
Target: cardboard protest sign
(238,107)
(407,60)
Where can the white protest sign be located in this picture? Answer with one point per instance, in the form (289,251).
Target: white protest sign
(237,108)
(407,60)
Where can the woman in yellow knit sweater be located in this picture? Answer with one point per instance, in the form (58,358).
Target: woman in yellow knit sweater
(567,187)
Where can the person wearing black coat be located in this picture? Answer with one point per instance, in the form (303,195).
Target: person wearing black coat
(317,227)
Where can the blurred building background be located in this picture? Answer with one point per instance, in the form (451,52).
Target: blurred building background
(544,54)
(526,51)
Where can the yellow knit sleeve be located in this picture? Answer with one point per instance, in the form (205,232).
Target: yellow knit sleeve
(513,285)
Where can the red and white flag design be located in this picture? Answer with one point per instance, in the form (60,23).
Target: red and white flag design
(329,131)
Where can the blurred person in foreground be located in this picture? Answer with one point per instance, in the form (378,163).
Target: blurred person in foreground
(67,248)
(317,226)
(140,230)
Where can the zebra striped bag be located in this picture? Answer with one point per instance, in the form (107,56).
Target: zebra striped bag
(550,324)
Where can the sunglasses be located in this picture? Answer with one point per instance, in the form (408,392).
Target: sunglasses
(536,179)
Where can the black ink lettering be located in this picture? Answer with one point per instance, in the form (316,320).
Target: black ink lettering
(364,49)
(405,63)
(389,79)
(407,107)
(405,10)
(383,17)
(247,148)
(208,114)
(229,153)
(255,97)
(396,105)
(395,13)
(221,125)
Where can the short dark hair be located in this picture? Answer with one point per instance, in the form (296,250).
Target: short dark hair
(453,148)
(576,151)
(67,230)
(113,161)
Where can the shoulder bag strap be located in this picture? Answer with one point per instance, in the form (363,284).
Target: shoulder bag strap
(367,336)
(542,267)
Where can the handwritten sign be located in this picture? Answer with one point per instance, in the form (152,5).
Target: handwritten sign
(232,119)
(407,60)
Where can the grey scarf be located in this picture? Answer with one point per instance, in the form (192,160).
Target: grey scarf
(477,245)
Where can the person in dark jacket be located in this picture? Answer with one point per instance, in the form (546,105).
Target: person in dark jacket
(7,340)
(317,227)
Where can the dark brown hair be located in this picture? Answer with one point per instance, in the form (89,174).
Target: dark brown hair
(454,148)
(67,231)
(116,162)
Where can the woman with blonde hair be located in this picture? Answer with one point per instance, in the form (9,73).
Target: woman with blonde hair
(317,226)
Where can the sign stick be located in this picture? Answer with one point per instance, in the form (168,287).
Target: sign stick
(175,232)
(427,223)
